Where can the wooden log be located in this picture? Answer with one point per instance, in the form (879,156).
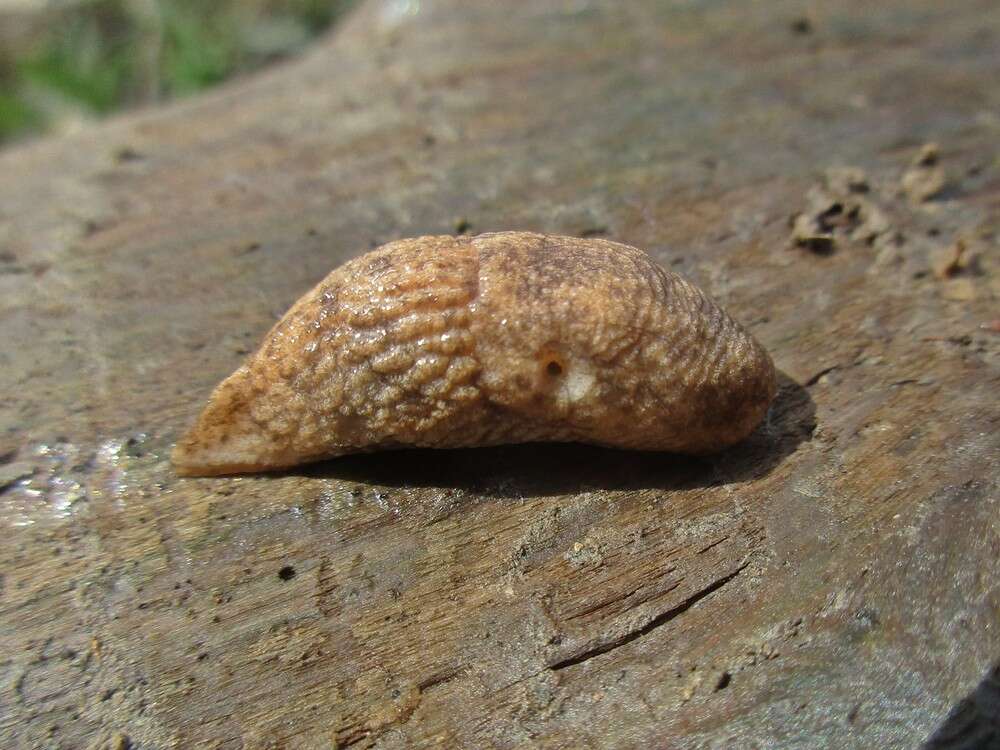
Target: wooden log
(831,582)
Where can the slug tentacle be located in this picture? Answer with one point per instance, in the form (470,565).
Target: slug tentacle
(465,341)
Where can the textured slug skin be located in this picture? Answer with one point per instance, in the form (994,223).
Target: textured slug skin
(501,338)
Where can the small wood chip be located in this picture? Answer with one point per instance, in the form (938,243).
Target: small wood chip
(951,261)
(925,178)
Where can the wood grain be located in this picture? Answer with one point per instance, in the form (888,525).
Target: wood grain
(830,582)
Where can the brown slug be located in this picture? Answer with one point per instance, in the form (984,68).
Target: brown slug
(509,337)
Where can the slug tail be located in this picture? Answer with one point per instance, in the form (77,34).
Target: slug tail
(225,439)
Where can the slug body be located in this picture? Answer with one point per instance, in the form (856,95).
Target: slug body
(501,338)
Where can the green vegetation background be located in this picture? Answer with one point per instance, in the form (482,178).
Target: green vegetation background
(96,56)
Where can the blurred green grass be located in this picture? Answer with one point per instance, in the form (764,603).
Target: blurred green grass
(93,57)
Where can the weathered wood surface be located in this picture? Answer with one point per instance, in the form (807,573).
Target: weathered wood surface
(833,582)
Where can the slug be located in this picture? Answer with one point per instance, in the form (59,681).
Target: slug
(509,337)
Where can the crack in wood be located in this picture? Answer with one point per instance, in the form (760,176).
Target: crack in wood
(815,378)
(439,679)
(652,625)
(633,604)
(357,735)
(716,543)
